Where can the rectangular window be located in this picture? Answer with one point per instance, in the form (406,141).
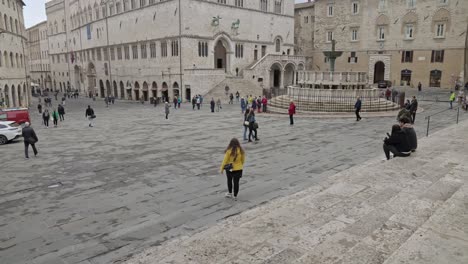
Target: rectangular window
(118,7)
(409,31)
(306,20)
(93,54)
(202,49)
(153,50)
(119,53)
(164,49)
(264,5)
(411,3)
(355,8)
(381,33)
(440,30)
(382,4)
(125,5)
(112,53)
(99,57)
(127,52)
(221,1)
(143,51)
(142,3)
(407,56)
(133,4)
(330,10)
(278,6)
(175,48)
(151,2)
(239,3)
(352,58)
(354,34)
(437,56)
(134,52)
(111,10)
(329,36)
(106,54)
(239,51)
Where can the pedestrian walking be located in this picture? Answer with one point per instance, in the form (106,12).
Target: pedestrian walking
(419,87)
(291,112)
(46,118)
(246,123)
(179,100)
(243,105)
(231,99)
(175,102)
(201,100)
(388,93)
(451,99)
(90,115)
(61,112)
(233,164)
(413,109)
(264,104)
(30,138)
(198,102)
(39,108)
(106,100)
(55,117)
(237,96)
(259,104)
(142,100)
(194,102)
(212,105)
(357,108)
(253,125)
(167,108)
(218,104)
(254,104)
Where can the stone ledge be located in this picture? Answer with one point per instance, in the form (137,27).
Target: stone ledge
(407,210)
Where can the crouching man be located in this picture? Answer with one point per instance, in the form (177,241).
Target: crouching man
(408,129)
(397,143)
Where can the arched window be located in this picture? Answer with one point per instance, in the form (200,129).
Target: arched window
(1,59)
(96,10)
(6,22)
(1,22)
(278,45)
(90,13)
(16,26)
(51,29)
(17,60)
(56,27)
(11,25)
(64,26)
(12,63)
(5,58)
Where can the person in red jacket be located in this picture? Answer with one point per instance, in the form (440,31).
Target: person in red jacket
(264,104)
(291,112)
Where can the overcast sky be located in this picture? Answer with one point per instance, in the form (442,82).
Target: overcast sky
(34,12)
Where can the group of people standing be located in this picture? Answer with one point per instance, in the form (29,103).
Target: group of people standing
(256,103)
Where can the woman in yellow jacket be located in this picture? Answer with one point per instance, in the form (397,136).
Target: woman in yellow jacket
(233,164)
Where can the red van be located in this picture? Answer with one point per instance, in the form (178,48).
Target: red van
(18,115)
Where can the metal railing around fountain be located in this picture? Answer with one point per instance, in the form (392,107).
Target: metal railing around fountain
(328,100)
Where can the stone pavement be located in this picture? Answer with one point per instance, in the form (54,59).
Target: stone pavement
(136,180)
(407,210)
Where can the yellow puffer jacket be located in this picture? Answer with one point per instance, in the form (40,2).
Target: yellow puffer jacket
(237,164)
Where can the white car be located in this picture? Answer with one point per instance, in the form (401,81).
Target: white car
(9,131)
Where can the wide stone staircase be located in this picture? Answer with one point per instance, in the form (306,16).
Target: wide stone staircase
(406,210)
(281,103)
(235,84)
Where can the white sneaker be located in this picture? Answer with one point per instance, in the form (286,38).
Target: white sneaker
(228,195)
(235,198)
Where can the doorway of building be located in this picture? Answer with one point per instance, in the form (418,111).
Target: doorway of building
(101,87)
(435,77)
(220,55)
(188,93)
(379,71)
(405,77)
(255,54)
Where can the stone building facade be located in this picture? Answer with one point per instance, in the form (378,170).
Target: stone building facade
(14,86)
(38,50)
(146,48)
(304,15)
(402,41)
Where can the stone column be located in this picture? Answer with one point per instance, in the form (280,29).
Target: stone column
(282,79)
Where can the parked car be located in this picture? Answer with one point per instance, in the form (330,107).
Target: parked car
(384,84)
(9,131)
(18,115)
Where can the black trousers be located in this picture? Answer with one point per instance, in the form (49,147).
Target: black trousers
(46,121)
(233,177)
(264,108)
(252,129)
(358,116)
(55,121)
(413,117)
(26,147)
(62,118)
(167,115)
(291,119)
(390,148)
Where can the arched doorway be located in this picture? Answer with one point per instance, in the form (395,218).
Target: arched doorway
(220,52)
(164,92)
(20,97)
(275,75)
(116,92)
(129,91)
(300,67)
(405,77)
(101,89)
(122,90)
(60,86)
(175,89)
(7,96)
(435,78)
(26,96)
(108,88)
(14,97)
(77,78)
(289,70)
(154,90)
(136,91)
(55,85)
(145,91)
(379,71)
(91,78)
(48,83)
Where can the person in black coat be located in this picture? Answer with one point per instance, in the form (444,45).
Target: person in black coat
(90,115)
(30,138)
(61,112)
(408,128)
(397,143)
(212,105)
(413,109)
(357,107)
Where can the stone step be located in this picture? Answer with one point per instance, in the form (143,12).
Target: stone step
(244,87)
